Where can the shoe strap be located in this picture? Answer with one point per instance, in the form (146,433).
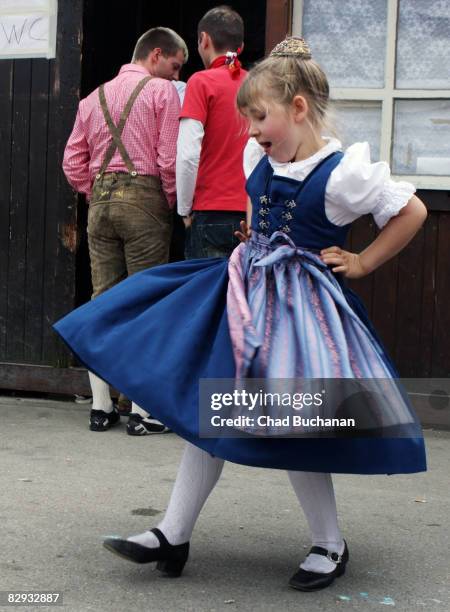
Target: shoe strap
(330,555)
(163,541)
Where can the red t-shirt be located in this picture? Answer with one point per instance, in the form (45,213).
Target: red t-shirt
(211,98)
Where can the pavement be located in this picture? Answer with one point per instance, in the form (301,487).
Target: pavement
(64,488)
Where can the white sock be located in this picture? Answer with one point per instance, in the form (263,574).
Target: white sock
(197,475)
(101,399)
(138,410)
(315,493)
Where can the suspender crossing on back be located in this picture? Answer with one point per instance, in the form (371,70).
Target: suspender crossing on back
(116,130)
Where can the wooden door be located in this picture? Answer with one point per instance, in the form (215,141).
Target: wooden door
(38,100)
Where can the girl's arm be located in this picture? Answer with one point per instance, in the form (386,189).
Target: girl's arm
(390,241)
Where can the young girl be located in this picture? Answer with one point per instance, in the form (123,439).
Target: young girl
(278,309)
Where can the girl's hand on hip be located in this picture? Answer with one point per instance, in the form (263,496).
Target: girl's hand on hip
(245,232)
(348,264)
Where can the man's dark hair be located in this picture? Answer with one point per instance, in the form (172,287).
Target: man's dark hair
(167,40)
(224,26)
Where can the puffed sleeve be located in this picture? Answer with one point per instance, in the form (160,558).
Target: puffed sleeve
(358,187)
(252,155)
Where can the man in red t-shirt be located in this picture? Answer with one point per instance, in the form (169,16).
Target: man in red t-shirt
(210,178)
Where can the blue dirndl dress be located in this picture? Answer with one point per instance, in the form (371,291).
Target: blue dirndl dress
(274,310)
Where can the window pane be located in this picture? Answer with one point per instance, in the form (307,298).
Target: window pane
(348,39)
(359,122)
(423,45)
(422,137)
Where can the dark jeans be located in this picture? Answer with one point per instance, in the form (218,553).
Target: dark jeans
(212,234)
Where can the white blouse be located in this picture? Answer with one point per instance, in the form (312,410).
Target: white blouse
(356,187)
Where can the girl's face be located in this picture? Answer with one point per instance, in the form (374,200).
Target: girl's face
(276,130)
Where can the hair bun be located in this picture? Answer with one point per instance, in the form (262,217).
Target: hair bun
(292,46)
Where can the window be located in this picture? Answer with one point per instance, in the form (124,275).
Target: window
(388,66)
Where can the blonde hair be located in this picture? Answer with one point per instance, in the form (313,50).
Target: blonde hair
(282,77)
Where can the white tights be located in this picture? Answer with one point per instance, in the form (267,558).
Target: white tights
(198,474)
(101,398)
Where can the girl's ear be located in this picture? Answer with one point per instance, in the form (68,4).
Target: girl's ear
(300,108)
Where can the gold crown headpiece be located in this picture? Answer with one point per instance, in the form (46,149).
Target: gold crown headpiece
(292,46)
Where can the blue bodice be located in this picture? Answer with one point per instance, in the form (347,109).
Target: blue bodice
(296,208)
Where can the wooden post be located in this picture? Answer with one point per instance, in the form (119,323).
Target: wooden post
(278,21)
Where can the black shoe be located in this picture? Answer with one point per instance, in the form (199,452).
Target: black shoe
(102,421)
(142,426)
(171,559)
(313,581)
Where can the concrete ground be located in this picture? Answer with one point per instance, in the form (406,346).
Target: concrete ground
(63,488)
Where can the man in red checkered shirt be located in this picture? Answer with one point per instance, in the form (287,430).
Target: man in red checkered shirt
(121,154)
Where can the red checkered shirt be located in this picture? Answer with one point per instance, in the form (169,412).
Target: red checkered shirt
(150,133)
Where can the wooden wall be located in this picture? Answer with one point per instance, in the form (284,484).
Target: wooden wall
(38,98)
(408,298)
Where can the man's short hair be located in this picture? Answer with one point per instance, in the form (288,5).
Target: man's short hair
(224,26)
(166,39)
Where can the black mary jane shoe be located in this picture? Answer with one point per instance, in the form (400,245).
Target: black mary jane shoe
(170,558)
(304,580)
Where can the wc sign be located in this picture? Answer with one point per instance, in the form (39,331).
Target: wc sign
(28,28)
